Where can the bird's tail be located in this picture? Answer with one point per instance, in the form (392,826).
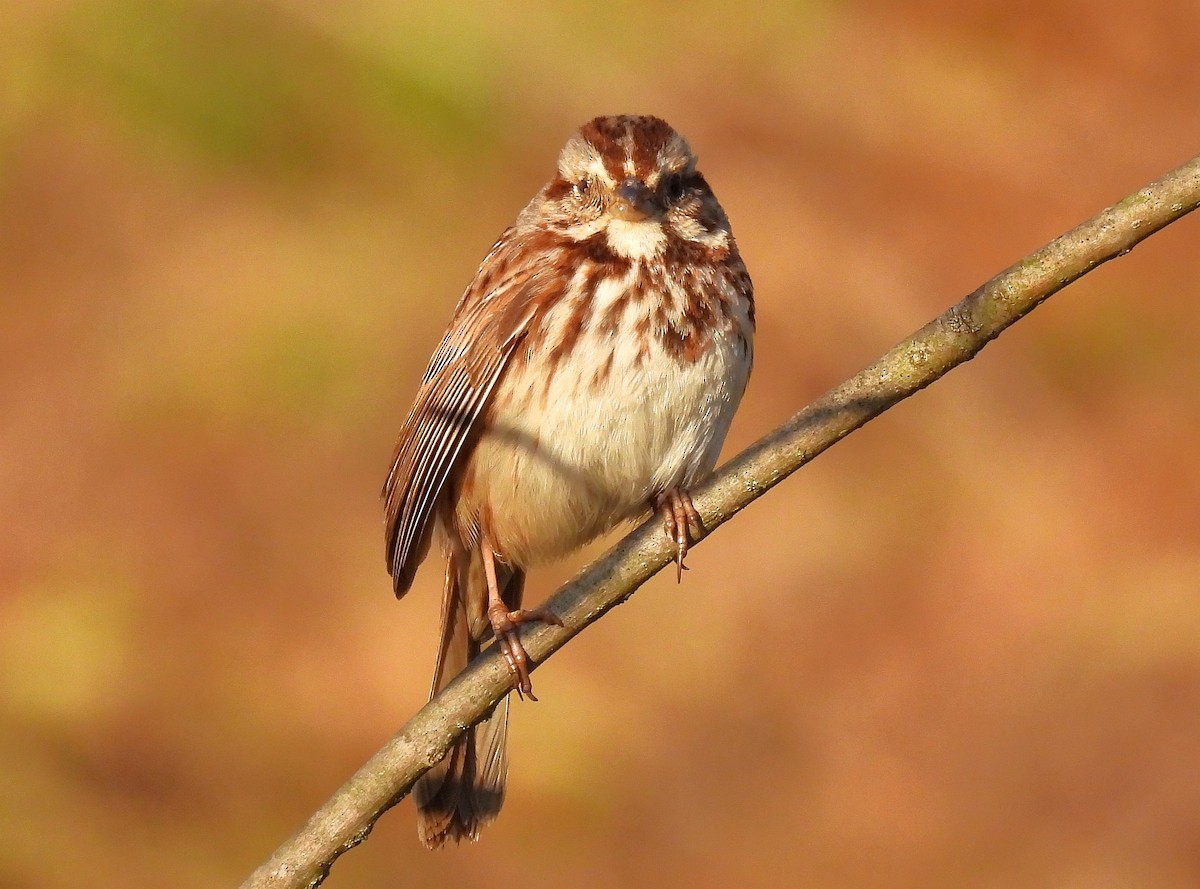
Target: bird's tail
(465,790)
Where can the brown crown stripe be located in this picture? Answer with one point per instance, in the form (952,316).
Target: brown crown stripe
(652,135)
(607,135)
(628,136)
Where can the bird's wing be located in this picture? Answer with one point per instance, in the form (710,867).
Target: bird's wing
(488,324)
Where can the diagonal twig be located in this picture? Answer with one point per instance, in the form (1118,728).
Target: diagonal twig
(955,336)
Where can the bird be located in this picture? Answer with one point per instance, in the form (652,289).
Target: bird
(588,376)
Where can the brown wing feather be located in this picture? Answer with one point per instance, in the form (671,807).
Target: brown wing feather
(485,331)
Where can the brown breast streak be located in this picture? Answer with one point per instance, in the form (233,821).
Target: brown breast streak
(688,272)
(587,263)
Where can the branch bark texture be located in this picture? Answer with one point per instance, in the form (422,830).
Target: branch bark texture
(955,336)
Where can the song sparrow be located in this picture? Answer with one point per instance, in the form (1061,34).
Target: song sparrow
(590,373)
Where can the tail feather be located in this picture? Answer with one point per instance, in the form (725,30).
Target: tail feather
(465,790)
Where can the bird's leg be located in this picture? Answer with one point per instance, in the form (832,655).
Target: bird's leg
(506,624)
(682,523)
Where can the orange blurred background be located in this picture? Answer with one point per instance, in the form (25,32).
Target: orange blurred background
(961,649)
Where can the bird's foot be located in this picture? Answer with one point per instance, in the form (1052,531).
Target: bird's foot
(506,628)
(681,522)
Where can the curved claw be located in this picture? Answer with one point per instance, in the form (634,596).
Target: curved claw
(681,522)
(506,628)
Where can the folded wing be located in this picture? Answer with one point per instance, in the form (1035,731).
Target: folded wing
(486,330)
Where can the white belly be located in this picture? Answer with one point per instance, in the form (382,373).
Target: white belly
(564,463)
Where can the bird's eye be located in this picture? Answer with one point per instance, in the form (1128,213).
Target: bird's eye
(675,187)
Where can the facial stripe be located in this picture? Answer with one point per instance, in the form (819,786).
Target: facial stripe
(607,135)
(638,146)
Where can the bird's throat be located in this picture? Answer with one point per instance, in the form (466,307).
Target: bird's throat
(644,239)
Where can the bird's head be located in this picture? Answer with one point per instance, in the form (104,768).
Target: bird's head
(633,181)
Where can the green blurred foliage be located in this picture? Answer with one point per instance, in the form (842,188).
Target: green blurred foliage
(256,86)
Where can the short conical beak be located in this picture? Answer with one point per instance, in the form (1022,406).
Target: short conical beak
(634,202)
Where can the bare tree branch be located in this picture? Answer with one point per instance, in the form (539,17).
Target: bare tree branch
(953,337)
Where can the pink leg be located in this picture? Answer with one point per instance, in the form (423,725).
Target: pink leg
(506,625)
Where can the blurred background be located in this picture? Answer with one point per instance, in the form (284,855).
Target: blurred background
(962,649)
